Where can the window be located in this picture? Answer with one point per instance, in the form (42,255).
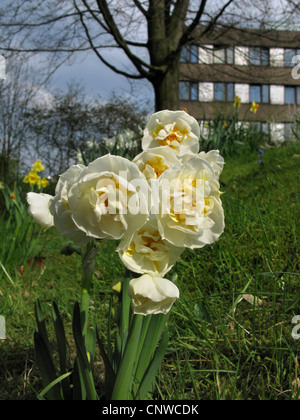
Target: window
(255,93)
(288,131)
(259,56)
(223,55)
(260,127)
(289,54)
(189,54)
(224,92)
(292,95)
(188,91)
(260,93)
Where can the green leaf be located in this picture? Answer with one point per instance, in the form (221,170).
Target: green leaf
(61,338)
(43,335)
(46,367)
(153,336)
(149,377)
(79,393)
(123,384)
(40,320)
(91,343)
(125,313)
(62,349)
(52,384)
(110,375)
(84,365)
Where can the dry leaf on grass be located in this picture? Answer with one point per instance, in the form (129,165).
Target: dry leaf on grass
(253,300)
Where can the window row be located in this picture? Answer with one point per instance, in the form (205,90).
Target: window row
(255,56)
(226,92)
(276,131)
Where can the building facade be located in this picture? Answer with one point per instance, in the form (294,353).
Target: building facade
(258,66)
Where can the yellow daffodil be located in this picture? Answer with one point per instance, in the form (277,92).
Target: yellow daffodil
(37,166)
(237,102)
(254,107)
(44,182)
(32,178)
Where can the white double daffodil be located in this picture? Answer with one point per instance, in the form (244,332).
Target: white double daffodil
(60,207)
(109,198)
(190,213)
(39,209)
(175,129)
(151,295)
(145,251)
(154,161)
(165,200)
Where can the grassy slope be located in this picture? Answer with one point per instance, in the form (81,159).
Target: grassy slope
(221,347)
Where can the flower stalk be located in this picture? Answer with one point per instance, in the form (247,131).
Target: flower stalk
(88,268)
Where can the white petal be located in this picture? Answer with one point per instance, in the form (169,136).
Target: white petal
(39,209)
(152,295)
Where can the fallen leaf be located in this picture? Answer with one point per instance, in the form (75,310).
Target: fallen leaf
(253,300)
(32,264)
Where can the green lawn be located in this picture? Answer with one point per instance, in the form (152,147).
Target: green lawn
(230,331)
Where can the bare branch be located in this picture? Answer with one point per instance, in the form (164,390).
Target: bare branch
(140,7)
(188,32)
(100,56)
(114,31)
(216,18)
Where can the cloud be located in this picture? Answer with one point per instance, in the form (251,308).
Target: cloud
(97,78)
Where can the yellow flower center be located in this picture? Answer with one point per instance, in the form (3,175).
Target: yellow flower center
(171,135)
(158,164)
(189,205)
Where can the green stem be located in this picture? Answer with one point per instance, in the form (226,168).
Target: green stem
(88,268)
(84,310)
(123,383)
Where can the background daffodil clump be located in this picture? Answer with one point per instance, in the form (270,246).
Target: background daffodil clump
(33,178)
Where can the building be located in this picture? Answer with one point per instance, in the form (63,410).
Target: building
(258,66)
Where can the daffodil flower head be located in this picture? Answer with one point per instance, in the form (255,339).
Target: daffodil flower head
(32,178)
(37,166)
(175,129)
(44,182)
(254,107)
(237,102)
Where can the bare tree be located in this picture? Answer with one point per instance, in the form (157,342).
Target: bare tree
(16,93)
(149,34)
(73,122)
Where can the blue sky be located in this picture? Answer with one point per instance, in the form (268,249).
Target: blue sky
(98,80)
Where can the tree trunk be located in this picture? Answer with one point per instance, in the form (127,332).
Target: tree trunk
(166,88)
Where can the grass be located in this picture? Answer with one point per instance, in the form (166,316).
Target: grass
(230,332)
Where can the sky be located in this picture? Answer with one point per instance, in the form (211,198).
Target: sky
(100,81)
(97,78)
